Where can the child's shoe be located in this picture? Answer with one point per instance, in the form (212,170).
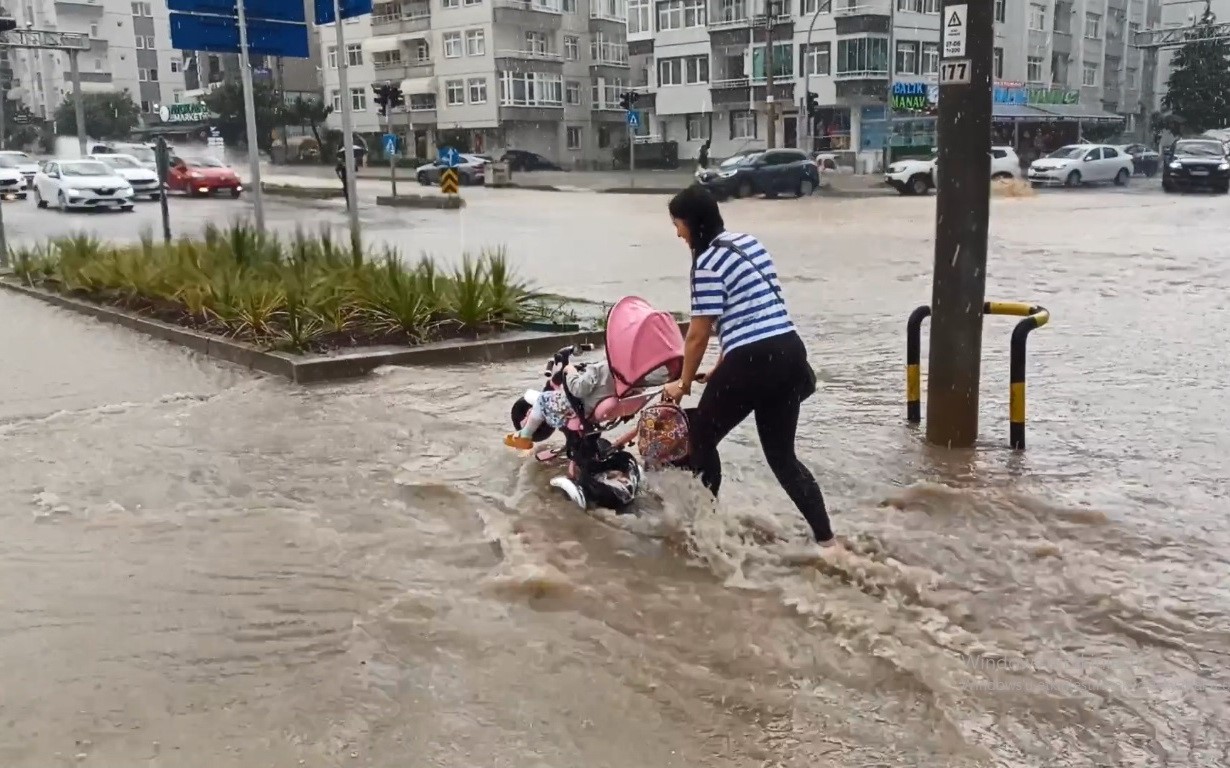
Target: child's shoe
(515,440)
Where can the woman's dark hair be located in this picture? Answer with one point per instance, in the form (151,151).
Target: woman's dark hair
(697,208)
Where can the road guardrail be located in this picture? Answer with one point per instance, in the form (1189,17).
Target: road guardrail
(1035,316)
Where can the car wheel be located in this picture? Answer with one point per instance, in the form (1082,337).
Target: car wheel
(919,185)
(127,208)
(1074,179)
(1121,178)
(422,178)
(745,189)
(1223,189)
(38,200)
(1167,186)
(806,187)
(235,193)
(1001,176)
(62,202)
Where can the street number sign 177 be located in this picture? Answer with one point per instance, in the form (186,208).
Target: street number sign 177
(954,72)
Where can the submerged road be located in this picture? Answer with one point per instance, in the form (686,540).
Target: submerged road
(204,568)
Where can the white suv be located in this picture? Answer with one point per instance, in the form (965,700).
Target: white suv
(916,177)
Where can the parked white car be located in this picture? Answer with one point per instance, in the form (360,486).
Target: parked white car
(13,183)
(144,181)
(81,184)
(24,163)
(1078,164)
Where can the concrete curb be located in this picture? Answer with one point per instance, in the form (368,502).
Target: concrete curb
(436,202)
(319,368)
(308,193)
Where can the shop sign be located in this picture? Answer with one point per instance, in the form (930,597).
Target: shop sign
(1020,94)
(184,112)
(915,96)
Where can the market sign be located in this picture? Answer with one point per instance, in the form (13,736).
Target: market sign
(187,112)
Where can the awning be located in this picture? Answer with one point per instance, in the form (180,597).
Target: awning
(416,86)
(383,43)
(1018,112)
(1079,112)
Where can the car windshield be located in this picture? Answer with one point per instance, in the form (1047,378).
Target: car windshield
(1198,148)
(8,161)
(144,154)
(85,168)
(737,160)
(204,162)
(20,157)
(1068,153)
(119,161)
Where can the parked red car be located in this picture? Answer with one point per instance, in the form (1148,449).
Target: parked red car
(202,176)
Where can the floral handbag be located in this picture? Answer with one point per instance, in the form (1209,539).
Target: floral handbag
(662,435)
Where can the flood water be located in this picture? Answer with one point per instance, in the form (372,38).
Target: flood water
(204,568)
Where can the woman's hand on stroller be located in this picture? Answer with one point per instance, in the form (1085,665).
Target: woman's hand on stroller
(675,391)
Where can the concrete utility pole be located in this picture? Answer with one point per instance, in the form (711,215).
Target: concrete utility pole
(249,108)
(770,105)
(962,212)
(78,102)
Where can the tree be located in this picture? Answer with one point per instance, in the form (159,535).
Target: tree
(313,113)
(110,115)
(226,101)
(1199,84)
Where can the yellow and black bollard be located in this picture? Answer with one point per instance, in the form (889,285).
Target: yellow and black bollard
(1035,317)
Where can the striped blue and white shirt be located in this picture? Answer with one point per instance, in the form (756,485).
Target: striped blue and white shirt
(743,293)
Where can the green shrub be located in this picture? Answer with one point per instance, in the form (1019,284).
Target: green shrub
(306,292)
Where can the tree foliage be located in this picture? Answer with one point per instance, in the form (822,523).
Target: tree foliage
(1198,91)
(310,112)
(226,101)
(110,115)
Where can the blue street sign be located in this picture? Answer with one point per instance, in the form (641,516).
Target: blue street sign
(449,157)
(219,34)
(273,10)
(634,119)
(350,9)
(390,144)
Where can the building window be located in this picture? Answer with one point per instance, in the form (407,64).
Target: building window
(140,43)
(531,89)
(1000,9)
(138,9)
(143,75)
(536,42)
(478,90)
(422,52)
(698,127)
(1033,69)
(931,6)
(815,60)
(688,70)
(147,107)
(907,58)
(862,55)
(476,42)
(604,137)
(358,99)
(1133,30)
(150,44)
(681,14)
(1133,79)
(331,57)
(422,101)
(572,47)
(451,3)
(354,55)
(909,6)
(455,92)
(569,6)
(1089,75)
(930,58)
(806,8)
(1037,17)
(997,64)
(1093,26)
(572,92)
(337,100)
(176,67)
(639,17)
(469,3)
(452,45)
(743,124)
(783,61)
(574,137)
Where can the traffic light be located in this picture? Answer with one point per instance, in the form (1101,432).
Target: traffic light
(627,102)
(7,24)
(813,104)
(387,96)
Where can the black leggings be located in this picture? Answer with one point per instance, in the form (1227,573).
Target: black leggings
(767,378)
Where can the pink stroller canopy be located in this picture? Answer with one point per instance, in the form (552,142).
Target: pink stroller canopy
(640,340)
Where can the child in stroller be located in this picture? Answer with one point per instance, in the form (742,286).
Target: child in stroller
(644,350)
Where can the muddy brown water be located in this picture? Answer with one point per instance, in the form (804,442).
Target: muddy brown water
(201,568)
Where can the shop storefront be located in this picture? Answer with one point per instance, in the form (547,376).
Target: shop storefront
(1032,120)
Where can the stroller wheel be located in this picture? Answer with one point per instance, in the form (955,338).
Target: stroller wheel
(520,409)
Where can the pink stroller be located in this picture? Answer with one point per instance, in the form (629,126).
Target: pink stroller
(640,342)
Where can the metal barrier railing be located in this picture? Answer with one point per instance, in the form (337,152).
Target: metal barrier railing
(1035,317)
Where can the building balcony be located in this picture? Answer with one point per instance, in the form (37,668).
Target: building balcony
(862,8)
(745,20)
(92,7)
(608,54)
(510,53)
(729,83)
(861,74)
(535,6)
(412,18)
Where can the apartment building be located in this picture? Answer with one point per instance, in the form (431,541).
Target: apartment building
(710,60)
(130,50)
(489,75)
